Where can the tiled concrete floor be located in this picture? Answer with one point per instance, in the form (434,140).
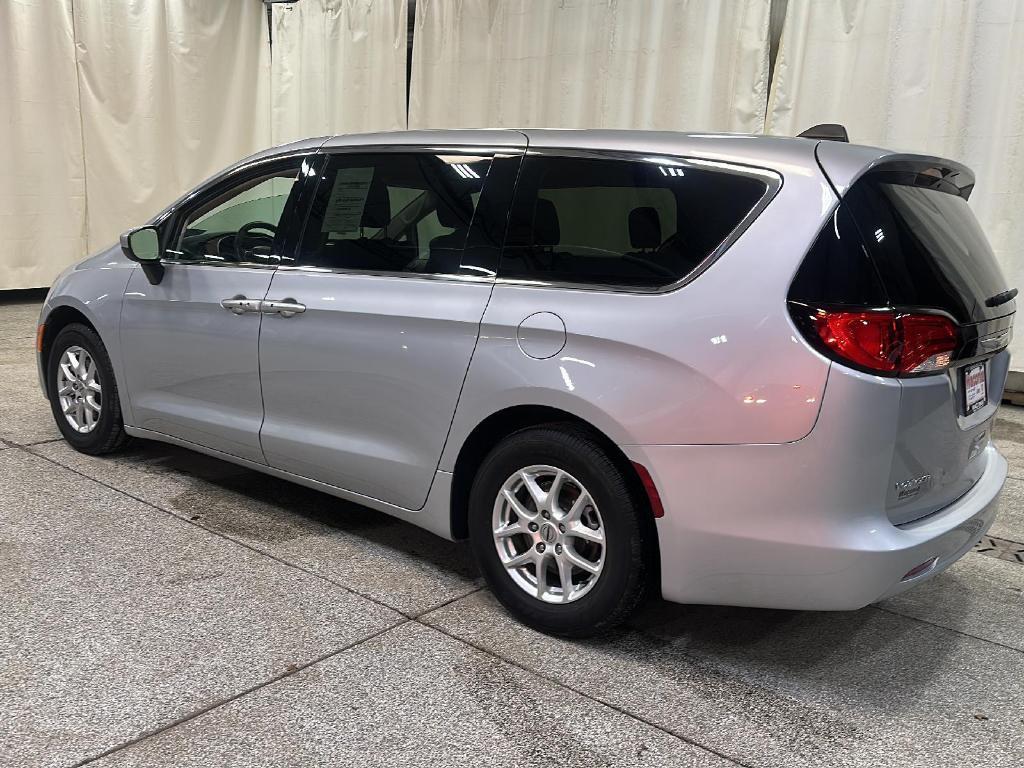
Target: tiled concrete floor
(160,608)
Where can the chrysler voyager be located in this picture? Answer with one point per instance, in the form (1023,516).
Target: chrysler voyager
(726,369)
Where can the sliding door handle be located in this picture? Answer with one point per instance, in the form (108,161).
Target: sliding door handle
(239,305)
(284,307)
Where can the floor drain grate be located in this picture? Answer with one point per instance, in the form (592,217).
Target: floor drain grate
(1001,549)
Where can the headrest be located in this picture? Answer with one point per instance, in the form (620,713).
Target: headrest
(545,223)
(455,214)
(377,211)
(644,227)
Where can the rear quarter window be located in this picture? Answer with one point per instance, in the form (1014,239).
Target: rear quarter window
(837,270)
(629,223)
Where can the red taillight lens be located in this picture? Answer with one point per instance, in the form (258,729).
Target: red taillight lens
(889,342)
(929,342)
(868,339)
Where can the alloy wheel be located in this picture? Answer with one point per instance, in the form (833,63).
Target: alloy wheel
(79,390)
(549,534)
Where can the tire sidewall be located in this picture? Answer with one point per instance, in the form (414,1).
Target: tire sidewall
(618,510)
(77,336)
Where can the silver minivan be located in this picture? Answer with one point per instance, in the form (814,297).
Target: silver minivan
(727,369)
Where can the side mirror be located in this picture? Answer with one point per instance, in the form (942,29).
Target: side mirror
(143,245)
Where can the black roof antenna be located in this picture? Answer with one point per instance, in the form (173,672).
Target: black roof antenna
(826,132)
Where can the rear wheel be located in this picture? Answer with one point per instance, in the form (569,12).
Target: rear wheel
(556,529)
(83,393)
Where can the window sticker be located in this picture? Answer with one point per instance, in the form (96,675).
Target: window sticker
(344,212)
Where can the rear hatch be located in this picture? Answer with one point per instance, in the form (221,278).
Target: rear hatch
(919,297)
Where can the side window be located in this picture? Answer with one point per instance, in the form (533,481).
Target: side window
(394,212)
(643,223)
(837,269)
(240,223)
(430,227)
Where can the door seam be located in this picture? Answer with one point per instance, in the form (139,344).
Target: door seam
(480,324)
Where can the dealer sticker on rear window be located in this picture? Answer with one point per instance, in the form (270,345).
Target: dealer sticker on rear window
(975,388)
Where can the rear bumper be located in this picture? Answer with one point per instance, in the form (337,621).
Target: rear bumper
(952,532)
(743,544)
(805,525)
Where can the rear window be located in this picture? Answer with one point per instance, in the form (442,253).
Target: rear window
(643,223)
(927,245)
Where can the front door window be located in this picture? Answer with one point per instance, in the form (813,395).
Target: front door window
(239,226)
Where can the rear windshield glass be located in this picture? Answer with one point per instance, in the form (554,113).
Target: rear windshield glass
(614,222)
(928,247)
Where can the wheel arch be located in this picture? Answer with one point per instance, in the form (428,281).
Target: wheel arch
(57,319)
(499,425)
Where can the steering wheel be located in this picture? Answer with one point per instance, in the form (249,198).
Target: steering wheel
(246,233)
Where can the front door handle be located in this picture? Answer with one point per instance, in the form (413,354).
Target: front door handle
(239,305)
(284,307)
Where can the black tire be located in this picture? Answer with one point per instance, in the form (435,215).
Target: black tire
(108,435)
(624,580)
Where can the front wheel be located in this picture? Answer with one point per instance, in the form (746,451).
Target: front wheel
(557,532)
(83,393)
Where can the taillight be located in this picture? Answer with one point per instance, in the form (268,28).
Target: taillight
(929,342)
(887,341)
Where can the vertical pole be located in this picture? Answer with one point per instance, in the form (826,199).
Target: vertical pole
(411,20)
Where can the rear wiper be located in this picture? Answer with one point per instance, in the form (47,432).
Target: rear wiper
(1001,298)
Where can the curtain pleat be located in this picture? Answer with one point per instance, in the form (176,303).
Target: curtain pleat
(338,67)
(42,184)
(662,64)
(111,109)
(170,93)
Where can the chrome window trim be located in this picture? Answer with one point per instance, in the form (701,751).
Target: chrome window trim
(434,276)
(216,264)
(773,183)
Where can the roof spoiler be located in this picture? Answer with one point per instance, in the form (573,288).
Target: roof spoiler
(826,132)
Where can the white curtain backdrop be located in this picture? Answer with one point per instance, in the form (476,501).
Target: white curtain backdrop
(668,64)
(42,181)
(171,91)
(338,67)
(944,77)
